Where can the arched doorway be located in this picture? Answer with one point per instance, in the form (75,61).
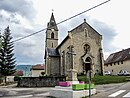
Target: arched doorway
(87,64)
(88,67)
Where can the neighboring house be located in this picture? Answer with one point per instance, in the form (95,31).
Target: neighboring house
(86,44)
(118,61)
(11,78)
(18,73)
(37,69)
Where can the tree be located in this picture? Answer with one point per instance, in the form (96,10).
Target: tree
(7,59)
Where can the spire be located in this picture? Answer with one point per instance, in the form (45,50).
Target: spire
(52,23)
(7,29)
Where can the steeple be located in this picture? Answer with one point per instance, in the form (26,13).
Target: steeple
(52,23)
(52,33)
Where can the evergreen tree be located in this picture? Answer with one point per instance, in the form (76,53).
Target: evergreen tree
(7,59)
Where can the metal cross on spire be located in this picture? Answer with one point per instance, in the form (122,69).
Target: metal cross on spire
(52,10)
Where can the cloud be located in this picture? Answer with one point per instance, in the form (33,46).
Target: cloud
(22,7)
(18,14)
(30,50)
(108,34)
(8,19)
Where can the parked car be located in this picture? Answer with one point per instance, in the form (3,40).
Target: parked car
(123,73)
(107,72)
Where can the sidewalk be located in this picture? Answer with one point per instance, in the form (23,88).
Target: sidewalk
(11,91)
(3,92)
(8,86)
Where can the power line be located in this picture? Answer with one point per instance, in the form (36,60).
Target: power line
(63,20)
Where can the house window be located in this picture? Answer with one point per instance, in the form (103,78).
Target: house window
(114,63)
(52,35)
(111,64)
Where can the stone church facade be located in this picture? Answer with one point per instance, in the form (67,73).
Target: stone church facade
(86,53)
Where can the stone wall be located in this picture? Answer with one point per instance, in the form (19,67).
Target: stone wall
(40,81)
(79,39)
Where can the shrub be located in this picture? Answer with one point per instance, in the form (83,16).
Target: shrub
(104,79)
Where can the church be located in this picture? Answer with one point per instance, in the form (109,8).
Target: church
(81,50)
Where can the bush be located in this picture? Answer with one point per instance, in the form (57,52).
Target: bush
(104,79)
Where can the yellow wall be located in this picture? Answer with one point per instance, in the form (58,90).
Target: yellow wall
(117,67)
(37,73)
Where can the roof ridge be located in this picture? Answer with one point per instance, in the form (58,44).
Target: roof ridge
(121,50)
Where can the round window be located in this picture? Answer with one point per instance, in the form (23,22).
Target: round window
(86,48)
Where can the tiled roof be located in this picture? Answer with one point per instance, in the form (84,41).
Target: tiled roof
(38,67)
(18,73)
(53,52)
(118,56)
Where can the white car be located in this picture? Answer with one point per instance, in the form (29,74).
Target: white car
(107,72)
(123,73)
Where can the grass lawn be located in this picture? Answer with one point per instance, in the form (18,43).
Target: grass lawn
(105,79)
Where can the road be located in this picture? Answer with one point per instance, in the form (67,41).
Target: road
(15,92)
(119,90)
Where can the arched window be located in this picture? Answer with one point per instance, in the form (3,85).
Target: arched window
(86,32)
(52,35)
(52,45)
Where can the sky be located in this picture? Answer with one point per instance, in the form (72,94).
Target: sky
(25,17)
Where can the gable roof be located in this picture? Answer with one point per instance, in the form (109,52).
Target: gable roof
(82,26)
(78,27)
(118,56)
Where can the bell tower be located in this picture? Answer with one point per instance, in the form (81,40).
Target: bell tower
(51,33)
